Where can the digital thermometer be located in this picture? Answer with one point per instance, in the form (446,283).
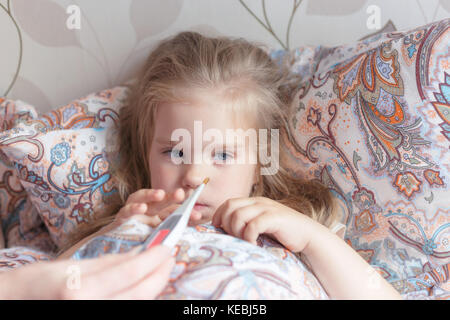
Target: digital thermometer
(170,230)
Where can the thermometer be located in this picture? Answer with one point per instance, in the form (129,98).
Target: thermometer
(170,230)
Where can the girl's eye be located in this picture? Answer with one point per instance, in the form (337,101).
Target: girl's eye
(174,153)
(222,156)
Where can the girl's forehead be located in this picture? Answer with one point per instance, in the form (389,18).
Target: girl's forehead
(208,114)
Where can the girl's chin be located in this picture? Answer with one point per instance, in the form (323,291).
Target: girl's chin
(196,222)
(193,223)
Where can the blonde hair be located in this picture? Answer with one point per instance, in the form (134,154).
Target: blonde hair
(251,78)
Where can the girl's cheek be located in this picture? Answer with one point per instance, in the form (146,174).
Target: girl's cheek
(161,176)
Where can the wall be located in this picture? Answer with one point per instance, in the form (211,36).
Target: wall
(45,63)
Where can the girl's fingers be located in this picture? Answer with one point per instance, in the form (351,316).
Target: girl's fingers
(178,195)
(222,214)
(259,225)
(133,270)
(195,215)
(152,221)
(151,286)
(146,195)
(195,218)
(131,209)
(169,198)
(240,217)
(173,197)
(165,206)
(163,214)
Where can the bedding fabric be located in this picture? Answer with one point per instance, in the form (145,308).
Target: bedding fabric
(369,119)
(213,265)
(60,160)
(372,121)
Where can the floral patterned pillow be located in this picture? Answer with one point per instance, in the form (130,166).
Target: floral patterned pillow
(373,123)
(60,159)
(20,223)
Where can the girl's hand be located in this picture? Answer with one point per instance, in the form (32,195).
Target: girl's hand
(170,202)
(148,206)
(343,273)
(247,218)
(151,206)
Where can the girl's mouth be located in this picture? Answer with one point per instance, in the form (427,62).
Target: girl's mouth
(200,206)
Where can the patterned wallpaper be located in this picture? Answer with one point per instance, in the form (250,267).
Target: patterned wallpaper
(53,51)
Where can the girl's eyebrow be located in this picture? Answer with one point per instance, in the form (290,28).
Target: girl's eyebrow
(172,143)
(165,141)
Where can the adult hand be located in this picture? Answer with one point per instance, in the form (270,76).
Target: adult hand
(116,276)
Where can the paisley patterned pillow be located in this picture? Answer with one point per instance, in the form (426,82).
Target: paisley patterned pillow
(19,256)
(61,161)
(20,223)
(373,123)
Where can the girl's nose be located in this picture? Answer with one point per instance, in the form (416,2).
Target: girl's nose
(193,177)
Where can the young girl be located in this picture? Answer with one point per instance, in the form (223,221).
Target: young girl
(224,84)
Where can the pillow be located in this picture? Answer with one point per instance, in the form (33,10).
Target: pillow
(19,256)
(60,159)
(20,224)
(373,123)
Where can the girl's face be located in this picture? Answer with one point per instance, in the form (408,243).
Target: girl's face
(227,180)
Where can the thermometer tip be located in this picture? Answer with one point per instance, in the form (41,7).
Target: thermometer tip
(206,180)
